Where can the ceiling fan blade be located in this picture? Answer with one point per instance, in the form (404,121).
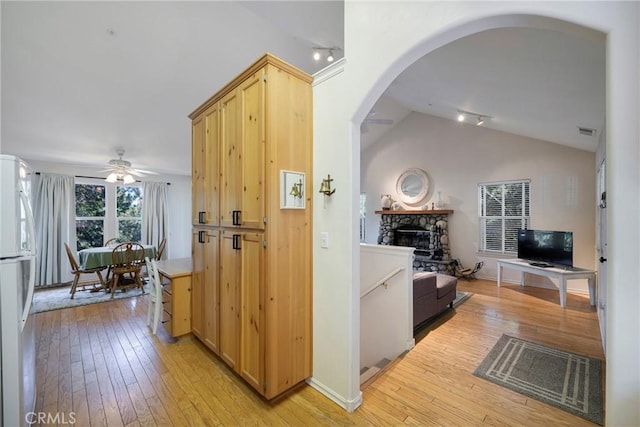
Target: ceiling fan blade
(144,172)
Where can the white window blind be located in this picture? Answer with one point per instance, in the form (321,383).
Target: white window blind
(504,208)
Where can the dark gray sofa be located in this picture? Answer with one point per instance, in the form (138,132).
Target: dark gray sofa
(433,293)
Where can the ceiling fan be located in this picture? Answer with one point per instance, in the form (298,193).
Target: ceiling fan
(372,120)
(121,170)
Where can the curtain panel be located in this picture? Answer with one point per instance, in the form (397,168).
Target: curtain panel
(54,213)
(155,222)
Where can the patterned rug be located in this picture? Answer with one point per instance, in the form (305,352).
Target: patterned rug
(55,298)
(566,380)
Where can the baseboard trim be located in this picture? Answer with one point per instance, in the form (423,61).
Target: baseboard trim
(348,405)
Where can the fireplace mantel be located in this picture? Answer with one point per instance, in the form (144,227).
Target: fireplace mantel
(427,212)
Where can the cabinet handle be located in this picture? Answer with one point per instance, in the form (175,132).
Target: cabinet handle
(201,236)
(235,219)
(201,217)
(236,242)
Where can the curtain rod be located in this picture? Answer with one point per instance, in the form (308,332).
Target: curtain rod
(97,177)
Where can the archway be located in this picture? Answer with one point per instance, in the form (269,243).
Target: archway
(400,35)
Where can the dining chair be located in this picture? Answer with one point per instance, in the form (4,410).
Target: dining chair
(77,272)
(111,243)
(161,247)
(127,260)
(155,294)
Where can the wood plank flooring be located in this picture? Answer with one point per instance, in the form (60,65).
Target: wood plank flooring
(100,365)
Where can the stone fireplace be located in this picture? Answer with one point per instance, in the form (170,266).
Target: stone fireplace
(427,231)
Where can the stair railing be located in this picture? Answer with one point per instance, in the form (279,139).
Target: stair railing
(382,282)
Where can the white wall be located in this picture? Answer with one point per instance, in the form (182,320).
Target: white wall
(402,32)
(179,200)
(459,156)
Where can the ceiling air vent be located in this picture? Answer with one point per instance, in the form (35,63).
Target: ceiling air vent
(586,131)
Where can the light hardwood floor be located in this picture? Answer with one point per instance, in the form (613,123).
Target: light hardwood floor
(101,363)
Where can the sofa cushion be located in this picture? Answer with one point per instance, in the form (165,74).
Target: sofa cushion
(445,284)
(424,283)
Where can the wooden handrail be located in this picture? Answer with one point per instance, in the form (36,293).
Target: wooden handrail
(382,281)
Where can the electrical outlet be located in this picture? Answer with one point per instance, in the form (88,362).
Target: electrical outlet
(324,239)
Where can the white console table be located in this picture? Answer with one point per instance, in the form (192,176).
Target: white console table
(561,274)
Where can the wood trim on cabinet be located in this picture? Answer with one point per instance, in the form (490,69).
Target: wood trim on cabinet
(267,58)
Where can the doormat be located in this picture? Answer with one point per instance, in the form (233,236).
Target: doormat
(566,380)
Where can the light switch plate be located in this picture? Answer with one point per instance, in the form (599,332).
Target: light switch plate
(324,239)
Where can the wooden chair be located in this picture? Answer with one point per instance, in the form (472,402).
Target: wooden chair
(111,243)
(127,260)
(467,273)
(77,272)
(161,247)
(155,294)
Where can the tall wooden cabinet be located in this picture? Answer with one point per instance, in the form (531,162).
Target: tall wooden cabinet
(252,259)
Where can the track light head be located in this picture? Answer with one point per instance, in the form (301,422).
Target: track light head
(330,56)
(479,121)
(316,54)
(461,117)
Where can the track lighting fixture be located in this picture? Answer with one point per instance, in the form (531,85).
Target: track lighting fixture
(317,53)
(330,56)
(480,118)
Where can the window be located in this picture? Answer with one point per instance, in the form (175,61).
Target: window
(129,213)
(504,208)
(90,213)
(105,210)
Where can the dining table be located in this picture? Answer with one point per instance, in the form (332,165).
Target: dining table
(101,257)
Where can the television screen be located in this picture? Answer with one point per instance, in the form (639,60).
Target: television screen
(553,247)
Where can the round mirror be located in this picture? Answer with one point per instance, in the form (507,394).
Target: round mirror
(412,187)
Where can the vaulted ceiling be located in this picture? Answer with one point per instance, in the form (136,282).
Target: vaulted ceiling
(80,79)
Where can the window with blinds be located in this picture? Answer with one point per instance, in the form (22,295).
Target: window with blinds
(504,208)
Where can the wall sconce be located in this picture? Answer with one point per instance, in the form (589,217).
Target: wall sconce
(325,187)
(296,190)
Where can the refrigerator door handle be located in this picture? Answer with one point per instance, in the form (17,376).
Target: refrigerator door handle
(30,224)
(26,310)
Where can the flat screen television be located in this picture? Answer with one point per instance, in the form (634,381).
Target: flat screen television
(546,247)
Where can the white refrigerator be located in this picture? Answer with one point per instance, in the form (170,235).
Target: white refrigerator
(17,279)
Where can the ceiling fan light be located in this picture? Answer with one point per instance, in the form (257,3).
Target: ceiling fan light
(128,179)
(113,177)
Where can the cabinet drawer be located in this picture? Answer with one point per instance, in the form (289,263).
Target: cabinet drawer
(166,284)
(166,302)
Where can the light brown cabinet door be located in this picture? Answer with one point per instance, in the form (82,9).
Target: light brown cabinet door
(197,283)
(252,122)
(212,165)
(242,122)
(197,168)
(230,159)
(230,262)
(252,360)
(205,168)
(211,291)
